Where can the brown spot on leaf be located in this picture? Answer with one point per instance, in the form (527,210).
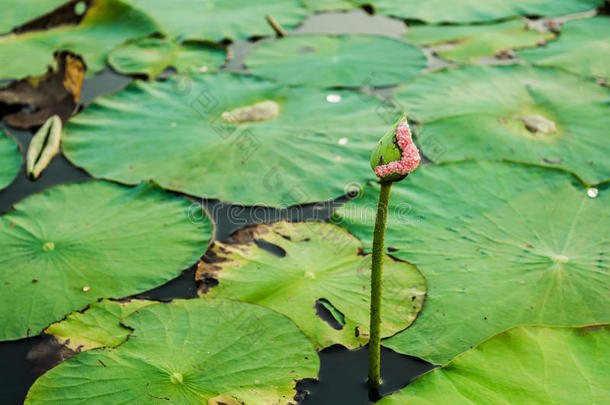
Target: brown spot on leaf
(224,400)
(263,111)
(207,269)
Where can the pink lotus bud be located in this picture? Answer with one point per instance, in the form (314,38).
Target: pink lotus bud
(395,155)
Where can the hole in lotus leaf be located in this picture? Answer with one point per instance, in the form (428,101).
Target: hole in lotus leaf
(329,314)
(263,111)
(303,285)
(270,247)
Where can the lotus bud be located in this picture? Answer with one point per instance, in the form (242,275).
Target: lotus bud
(395,155)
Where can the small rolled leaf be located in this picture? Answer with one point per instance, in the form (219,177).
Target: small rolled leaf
(44,145)
(395,155)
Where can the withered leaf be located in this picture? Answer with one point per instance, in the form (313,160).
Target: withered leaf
(43,147)
(55,92)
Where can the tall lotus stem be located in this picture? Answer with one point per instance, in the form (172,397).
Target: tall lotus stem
(392,159)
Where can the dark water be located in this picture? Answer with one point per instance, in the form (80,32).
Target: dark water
(343,372)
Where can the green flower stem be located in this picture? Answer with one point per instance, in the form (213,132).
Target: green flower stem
(376,283)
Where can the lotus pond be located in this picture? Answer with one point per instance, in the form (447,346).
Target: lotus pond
(187,206)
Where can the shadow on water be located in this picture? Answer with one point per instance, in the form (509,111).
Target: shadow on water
(343,372)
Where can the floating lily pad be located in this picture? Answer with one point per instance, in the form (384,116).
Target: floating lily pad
(524,365)
(319,263)
(216,20)
(189,352)
(532,115)
(10,160)
(150,56)
(583,48)
(466,11)
(470,43)
(73,244)
(17,12)
(336,60)
(500,244)
(227,136)
(107,24)
(98,326)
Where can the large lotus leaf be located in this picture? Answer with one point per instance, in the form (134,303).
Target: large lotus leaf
(470,43)
(501,244)
(465,11)
(17,12)
(336,60)
(189,352)
(583,48)
(107,24)
(531,115)
(73,244)
(320,263)
(524,365)
(98,326)
(192,134)
(10,160)
(150,56)
(218,19)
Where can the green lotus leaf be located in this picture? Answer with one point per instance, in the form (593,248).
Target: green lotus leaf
(470,43)
(468,11)
(336,60)
(150,56)
(524,365)
(107,24)
(216,20)
(322,264)
(10,160)
(98,326)
(583,48)
(532,115)
(72,244)
(18,12)
(500,244)
(189,352)
(328,5)
(228,136)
